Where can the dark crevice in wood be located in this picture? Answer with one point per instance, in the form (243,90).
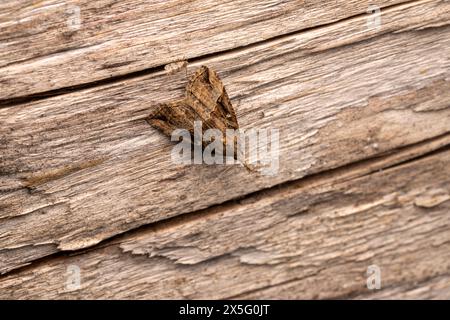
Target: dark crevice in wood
(10,102)
(420,157)
(6,103)
(315,179)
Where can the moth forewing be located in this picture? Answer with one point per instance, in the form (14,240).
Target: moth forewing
(207,101)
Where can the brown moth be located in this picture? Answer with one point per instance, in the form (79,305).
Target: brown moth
(206,101)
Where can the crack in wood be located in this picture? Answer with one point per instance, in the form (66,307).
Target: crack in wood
(391,161)
(10,102)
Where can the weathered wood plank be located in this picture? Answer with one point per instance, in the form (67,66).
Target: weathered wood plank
(82,167)
(435,288)
(313,239)
(42,46)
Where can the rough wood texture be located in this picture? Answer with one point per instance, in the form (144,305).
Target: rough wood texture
(312,239)
(40,52)
(72,162)
(82,166)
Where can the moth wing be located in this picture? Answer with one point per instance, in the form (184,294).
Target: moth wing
(170,116)
(206,93)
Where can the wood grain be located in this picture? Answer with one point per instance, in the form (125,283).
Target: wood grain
(41,51)
(314,239)
(81,167)
(433,288)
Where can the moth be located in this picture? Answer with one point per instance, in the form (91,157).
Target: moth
(206,100)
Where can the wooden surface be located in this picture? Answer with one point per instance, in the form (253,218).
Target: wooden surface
(364,173)
(40,52)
